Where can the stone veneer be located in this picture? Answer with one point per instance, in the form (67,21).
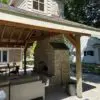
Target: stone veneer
(57,60)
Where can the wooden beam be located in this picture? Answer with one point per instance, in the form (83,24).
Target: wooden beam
(25,72)
(25,50)
(11,34)
(28,35)
(71,39)
(78,67)
(37,38)
(75,40)
(3,32)
(11,44)
(20,35)
(8,23)
(11,40)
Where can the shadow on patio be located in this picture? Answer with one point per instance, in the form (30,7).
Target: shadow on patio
(87,87)
(55,93)
(59,93)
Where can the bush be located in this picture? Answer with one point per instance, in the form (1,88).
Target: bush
(86,67)
(4,1)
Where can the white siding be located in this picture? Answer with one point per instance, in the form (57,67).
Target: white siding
(29,5)
(52,7)
(21,4)
(87,45)
(49,7)
(13,55)
(57,8)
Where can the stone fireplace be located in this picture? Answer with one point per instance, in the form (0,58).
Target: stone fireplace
(55,56)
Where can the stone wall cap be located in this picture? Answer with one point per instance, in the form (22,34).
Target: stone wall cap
(59,46)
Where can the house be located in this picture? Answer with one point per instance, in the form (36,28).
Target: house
(90,52)
(26,21)
(45,7)
(11,55)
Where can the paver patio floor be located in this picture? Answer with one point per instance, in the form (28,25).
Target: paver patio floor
(91,90)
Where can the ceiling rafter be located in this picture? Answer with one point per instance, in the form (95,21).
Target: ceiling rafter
(28,35)
(2,34)
(12,40)
(37,37)
(11,34)
(11,43)
(41,37)
(20,34)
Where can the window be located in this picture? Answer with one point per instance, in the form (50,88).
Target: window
(91,53)
(3,56)
(38,5)
(84,53)
(0,56)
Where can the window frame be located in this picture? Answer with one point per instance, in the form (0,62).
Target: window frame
(3,62)
(0,56)
(89,53)
(85,53)
(33,9)
(3,56)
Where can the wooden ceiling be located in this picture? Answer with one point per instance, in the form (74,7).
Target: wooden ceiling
(12,36)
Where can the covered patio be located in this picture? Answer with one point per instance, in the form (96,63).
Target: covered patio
(20,28)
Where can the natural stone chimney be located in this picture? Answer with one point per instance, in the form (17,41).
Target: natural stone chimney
(56,57)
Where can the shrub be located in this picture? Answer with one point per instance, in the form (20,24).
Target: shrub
(4,1)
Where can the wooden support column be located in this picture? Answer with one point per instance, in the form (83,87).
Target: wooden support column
(25,50)
(78,67)
(25,72)
(75,40)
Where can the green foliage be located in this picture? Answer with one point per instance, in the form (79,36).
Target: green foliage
(83,11)
(4,1)
(92,68)
(30,51)
(33,48)
(74,10)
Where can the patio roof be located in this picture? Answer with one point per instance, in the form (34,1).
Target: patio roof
(12,14)
(18,27)
(12,36)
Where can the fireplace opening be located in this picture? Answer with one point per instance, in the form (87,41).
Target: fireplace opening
(43,67)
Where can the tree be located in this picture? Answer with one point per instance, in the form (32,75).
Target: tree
(84,11)
(4,1)
(74,10)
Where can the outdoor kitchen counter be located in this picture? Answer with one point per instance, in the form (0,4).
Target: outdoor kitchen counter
(23,87)
(20,79)
(3,84)
(24,79)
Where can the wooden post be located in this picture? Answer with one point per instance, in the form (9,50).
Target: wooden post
(25,72)
(78,67)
